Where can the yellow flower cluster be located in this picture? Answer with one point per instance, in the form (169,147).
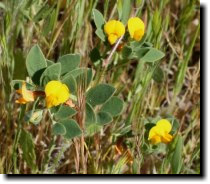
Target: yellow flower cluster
(56,93)
(160,132)
(115,29)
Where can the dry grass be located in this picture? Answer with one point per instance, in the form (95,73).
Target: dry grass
(72,31)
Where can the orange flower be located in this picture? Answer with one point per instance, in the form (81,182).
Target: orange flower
(27,96)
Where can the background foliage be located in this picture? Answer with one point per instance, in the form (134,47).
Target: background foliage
(170,89)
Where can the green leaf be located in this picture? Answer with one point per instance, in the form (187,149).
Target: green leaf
(172,145)
(153,55)
(58,129)
(139,53)
(119,8)
(35,63)
(27,146)
(70,81)
(49,62)
(86,76)
(72,128)
(136,45)
(90,117)
(176,161)
(147,44)
(113,106)
(95,55)
(98,19)
(65,112)
(126,9)
(77,74)
(99,94)
(104,118)
(158,75)
(69,62)
(174,123)
(100,34)
(52,72)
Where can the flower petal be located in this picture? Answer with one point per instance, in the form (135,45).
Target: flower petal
(167,138)
(138,34)
(155,139)
(109,27)
(119,29)
(114,29)
(136,28)
(27,95)
(112,38)
(152,132)
(56,93)
(21,101)
(52,87)
(64,94)
(165,125)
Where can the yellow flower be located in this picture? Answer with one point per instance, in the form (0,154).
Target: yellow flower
(136,28)
(114,30)
(56,93)
(27,96)
(160,132)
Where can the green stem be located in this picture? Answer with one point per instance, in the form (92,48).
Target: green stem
(17,137)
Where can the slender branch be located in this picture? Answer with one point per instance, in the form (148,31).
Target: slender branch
(106,62)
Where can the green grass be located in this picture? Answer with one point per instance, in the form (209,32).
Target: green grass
(171,26)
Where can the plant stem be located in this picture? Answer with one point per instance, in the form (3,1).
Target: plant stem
(17,137)
(106,61)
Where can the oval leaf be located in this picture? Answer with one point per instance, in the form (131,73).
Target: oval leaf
(141,52)
(90,117)
(81,73)
(69,62)
(126,9)
(58,129)
(65,112)
(72,128)
(99,94)
(35,63)
(98,19)
(158,75)
(100,34)
(51,73)
(103,118)
(113,106)
(153,55)
(70,82)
